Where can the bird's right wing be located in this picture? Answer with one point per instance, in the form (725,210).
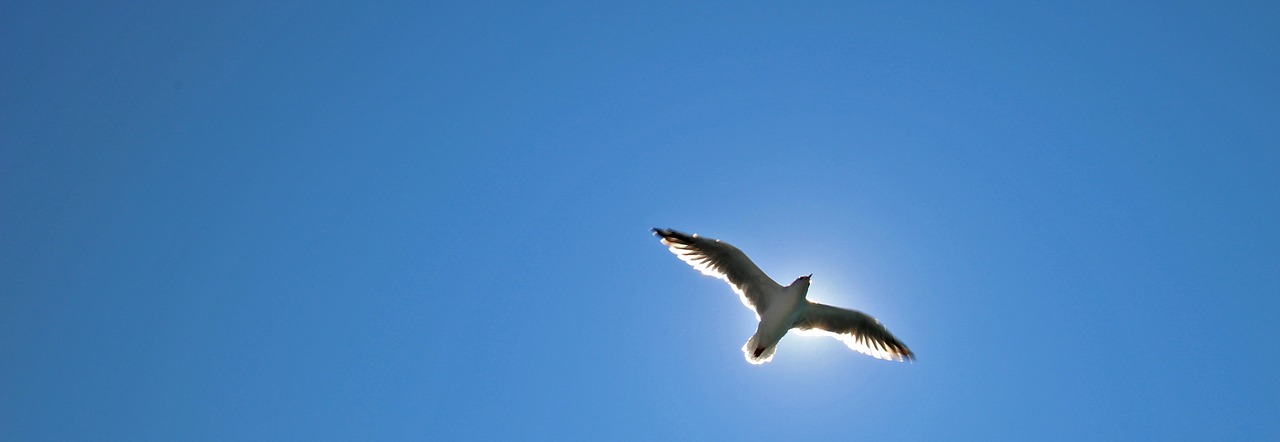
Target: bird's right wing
(719,259)
(858,330)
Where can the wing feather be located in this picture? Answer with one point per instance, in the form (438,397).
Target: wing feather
(856,329)
(719,259)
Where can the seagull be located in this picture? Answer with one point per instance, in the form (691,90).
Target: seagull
(779,308)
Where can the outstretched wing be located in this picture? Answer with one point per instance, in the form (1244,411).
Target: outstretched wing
(858,330)
(719,259)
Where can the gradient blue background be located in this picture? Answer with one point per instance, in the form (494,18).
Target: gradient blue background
(303,221)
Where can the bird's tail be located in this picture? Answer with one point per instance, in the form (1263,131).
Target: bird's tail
(762,355)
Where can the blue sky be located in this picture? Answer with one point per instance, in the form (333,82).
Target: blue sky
(410,221)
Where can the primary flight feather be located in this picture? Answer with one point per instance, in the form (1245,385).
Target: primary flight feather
(779,308)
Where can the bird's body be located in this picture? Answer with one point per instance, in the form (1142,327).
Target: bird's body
(780,308)
(788,304)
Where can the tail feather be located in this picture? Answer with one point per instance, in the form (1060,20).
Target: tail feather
(749,351)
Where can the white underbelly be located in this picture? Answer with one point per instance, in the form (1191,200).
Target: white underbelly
(777,320)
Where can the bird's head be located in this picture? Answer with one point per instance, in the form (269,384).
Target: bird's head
(803,279)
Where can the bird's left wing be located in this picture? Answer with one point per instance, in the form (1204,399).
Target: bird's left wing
(719,259)
(858,330)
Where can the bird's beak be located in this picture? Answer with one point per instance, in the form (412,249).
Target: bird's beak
(810,276)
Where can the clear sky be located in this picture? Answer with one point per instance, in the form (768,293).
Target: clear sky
(306,221)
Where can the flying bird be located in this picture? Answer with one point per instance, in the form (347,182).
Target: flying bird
(779,308)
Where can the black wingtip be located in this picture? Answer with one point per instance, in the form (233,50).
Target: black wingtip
(673,235)
(905,354)
(664,233)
